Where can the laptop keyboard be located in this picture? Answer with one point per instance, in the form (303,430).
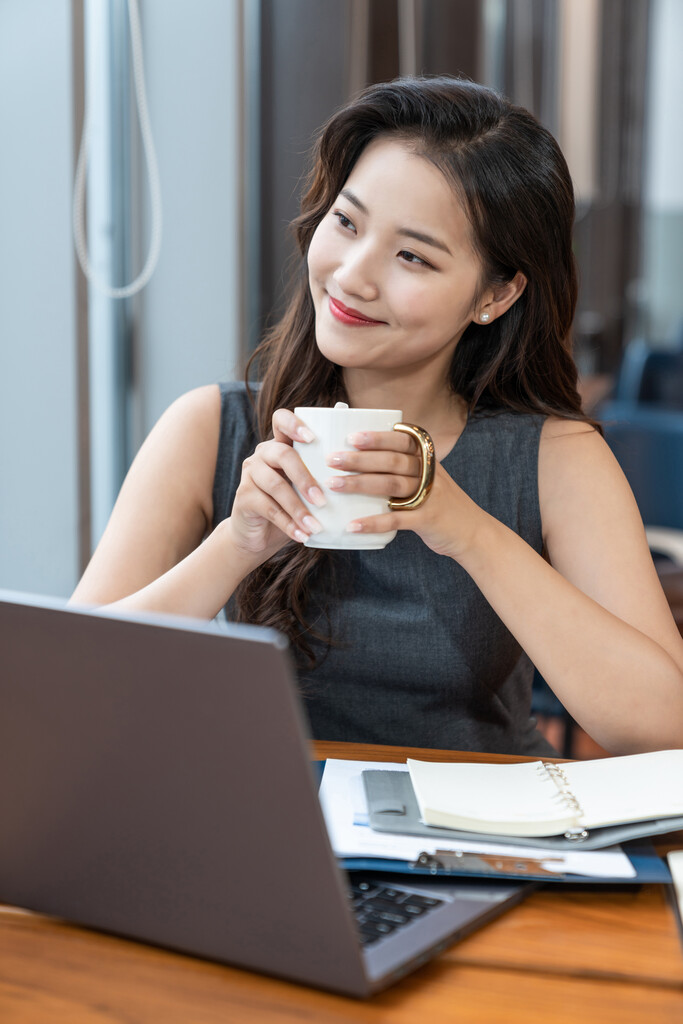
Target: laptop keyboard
(381,909)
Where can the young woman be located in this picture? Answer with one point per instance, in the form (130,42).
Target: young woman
(436,277)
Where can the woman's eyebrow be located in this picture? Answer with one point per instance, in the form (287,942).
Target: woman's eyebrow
(353,198)
(419,236)
(427,239)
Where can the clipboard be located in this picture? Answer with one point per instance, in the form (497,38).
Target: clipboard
(393,807)
(647,865)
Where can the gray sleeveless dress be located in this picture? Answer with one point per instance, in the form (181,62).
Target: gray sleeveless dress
(419,657)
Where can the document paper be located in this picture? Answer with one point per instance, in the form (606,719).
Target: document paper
(343,803)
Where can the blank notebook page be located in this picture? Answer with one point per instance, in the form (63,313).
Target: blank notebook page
(631,788)
(488,792)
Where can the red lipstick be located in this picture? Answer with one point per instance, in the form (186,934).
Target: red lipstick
(351,316)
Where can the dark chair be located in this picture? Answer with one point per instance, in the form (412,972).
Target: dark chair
(651,376)
(643,426)
(648,444)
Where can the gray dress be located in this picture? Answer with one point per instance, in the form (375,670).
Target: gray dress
(419,657)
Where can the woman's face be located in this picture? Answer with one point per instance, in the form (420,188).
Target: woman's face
(392,270)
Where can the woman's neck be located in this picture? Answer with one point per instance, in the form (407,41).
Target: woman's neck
(431,405)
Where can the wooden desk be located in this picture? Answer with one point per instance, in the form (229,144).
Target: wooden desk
(611,957)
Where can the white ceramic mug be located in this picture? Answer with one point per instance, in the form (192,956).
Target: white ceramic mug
(331,429)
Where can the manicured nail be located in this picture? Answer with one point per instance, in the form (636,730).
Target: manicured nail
(300,536)
(335,459)
(305,434)
(316,496)
(311,524)
(358,440)
(336,483)
(354,527)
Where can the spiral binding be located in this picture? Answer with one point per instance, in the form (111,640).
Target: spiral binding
(564,792)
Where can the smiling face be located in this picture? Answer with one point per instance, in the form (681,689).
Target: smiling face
(392,269)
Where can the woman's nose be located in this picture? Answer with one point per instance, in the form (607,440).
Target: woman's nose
(356,274)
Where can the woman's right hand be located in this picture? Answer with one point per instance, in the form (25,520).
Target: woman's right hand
(267,510)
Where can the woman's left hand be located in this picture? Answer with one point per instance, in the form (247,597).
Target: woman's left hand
(387,463)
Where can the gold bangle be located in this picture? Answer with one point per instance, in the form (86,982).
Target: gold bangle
(426,446)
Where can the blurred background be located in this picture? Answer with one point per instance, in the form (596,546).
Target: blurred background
(235,90)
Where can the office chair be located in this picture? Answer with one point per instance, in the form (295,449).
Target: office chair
(643,426)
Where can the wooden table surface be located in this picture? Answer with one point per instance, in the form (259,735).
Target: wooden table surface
(561,956)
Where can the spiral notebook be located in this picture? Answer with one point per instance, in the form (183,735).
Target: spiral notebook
(591,803)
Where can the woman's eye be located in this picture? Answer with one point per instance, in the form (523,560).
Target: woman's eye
(343,220)
(410,257)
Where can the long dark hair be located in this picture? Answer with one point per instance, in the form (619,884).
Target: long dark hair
(516,190)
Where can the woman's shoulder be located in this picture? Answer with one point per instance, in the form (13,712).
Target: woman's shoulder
(204,420)
(564,426)
(577,465)
(568,445)
(190,420)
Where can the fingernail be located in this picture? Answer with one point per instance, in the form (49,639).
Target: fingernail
(300,536)
(311,524)
(358,440)
(334,460)
(305,434)
(336,483)
(354,527)
(316,496)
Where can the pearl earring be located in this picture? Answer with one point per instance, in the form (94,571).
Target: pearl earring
(485,317)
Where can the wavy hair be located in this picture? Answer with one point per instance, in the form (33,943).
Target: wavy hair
(515,188)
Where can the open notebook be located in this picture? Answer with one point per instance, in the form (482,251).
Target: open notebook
(540,798)
(591,804)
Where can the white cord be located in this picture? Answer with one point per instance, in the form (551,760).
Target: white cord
(152,172)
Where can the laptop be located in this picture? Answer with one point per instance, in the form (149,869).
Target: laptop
(156,782)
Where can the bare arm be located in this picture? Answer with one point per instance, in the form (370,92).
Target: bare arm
(162,514)
(158,552)
(595,620)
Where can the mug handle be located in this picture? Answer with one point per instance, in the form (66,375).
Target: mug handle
(426,446)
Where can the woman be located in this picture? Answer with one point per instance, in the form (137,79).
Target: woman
(436,277)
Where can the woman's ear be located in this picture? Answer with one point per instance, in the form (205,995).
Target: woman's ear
(497,300)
